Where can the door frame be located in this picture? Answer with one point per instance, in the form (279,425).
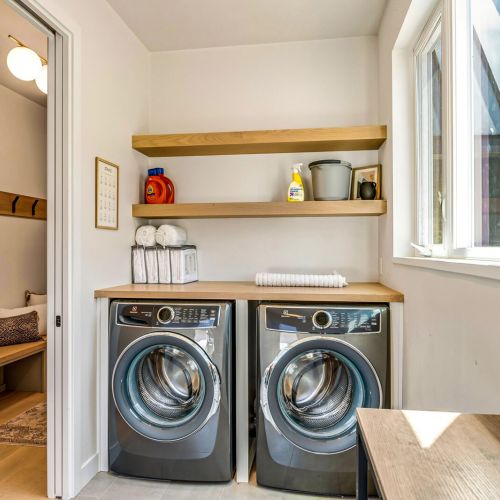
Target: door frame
(63,210)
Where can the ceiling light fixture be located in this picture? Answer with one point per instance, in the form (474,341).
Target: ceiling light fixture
(25,64)
(42,80)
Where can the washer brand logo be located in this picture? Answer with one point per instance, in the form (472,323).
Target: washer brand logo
(134,309)
(286,314)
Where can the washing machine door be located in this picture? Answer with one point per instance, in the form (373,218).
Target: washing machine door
(311,390)
(165,386)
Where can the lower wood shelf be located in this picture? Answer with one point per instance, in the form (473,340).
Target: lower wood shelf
(261,209)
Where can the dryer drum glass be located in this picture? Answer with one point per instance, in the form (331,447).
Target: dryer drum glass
(318,391)
(166,385)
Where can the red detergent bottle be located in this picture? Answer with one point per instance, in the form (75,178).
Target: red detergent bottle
(159,188)
(170,198)
(156,189)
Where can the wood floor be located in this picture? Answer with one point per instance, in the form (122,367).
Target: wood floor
(23,469)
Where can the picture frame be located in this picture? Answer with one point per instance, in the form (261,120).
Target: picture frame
(371,173)
(107,192)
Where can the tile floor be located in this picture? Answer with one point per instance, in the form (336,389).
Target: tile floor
(106,486)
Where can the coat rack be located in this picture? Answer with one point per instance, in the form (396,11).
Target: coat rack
(18,205)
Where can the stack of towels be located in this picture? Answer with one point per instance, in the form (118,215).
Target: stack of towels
(153,253)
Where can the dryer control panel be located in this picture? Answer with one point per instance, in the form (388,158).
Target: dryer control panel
(168,315)
(327,320)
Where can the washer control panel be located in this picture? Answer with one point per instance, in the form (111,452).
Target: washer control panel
(329,320)
(168,315)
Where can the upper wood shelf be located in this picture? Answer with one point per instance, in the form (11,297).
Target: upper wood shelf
(261,209)
(262,141)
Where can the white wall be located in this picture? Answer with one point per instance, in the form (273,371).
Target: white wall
(23,170)
(112,75)
(451,332)
(290,85)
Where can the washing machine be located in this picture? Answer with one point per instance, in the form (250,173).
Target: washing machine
(316,365)
(171,404)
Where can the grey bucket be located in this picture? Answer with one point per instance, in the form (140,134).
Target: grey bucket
(331,179)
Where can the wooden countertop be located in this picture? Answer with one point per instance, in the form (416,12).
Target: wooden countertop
(247,290)
(424,454)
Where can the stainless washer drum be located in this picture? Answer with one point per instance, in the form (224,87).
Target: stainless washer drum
(331,179)
(317,389)
(169,382)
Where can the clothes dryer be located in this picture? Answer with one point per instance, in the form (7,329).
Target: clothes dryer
(317,364)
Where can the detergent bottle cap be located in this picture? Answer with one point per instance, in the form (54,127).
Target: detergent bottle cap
(160,171)
(151,171)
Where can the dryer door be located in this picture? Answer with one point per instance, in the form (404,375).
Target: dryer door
(165,386)
(310,393)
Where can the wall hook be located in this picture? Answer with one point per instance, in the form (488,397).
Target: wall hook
(14,203)
(33,207)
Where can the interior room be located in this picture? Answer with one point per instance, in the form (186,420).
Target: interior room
(259,243)
(23,250)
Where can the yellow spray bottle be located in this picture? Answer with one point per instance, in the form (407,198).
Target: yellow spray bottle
(296,187)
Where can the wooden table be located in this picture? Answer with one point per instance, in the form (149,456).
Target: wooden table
(429,455)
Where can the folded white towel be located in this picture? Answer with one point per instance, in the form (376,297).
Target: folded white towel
(139,264)
(145,236)
(168,235)
(164,274)
(152,265)
(318,280)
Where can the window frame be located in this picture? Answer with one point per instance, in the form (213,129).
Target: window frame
(427,39)
(455,22)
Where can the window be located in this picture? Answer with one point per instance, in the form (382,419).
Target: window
(429,114)
(457,75)
(486,120)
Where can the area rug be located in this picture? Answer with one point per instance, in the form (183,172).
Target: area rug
(29,428)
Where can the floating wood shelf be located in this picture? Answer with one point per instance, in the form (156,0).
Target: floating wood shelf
(261,209)
(262,141)
(18,205)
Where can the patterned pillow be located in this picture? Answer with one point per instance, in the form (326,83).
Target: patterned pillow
(19,329)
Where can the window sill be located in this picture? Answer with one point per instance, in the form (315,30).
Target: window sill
(482,268)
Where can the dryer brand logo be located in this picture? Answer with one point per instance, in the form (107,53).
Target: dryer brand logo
(134,309)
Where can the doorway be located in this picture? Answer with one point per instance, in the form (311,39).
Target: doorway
(23,291)
(40,264)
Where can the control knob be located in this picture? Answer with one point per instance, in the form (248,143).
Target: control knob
(165,315)
(322,319)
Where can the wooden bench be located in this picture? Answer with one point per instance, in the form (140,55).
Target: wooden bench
(26,377)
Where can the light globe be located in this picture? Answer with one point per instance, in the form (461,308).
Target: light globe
(24,63)
(41,80)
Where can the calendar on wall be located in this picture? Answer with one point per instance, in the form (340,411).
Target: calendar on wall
(106,194)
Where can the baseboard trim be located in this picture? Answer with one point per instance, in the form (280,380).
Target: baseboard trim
(88,470)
